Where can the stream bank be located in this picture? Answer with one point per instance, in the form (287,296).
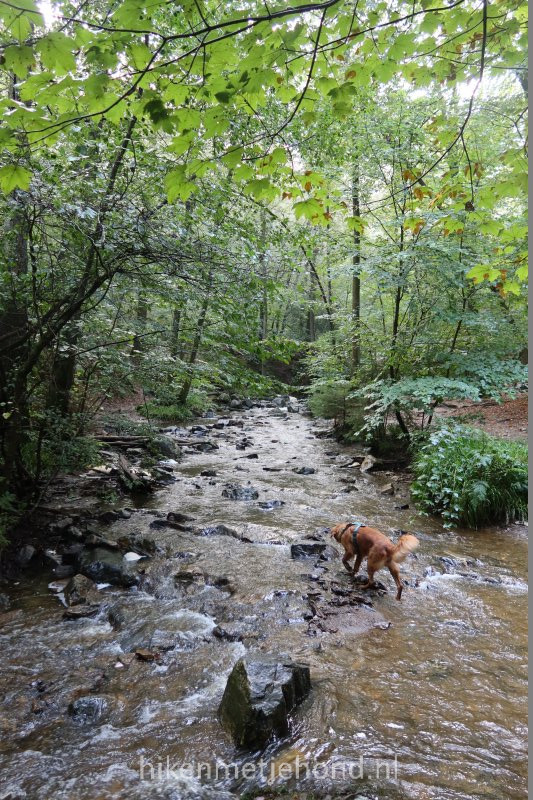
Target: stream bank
(432,688)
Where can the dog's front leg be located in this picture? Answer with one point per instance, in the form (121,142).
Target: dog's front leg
(346,562)
(357,565)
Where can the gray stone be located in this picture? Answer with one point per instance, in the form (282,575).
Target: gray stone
(304,470)
(258,698)
(166,446)
(78,590)
(368,463)
(104,566)
(270,505)
(307,550)
(387,489)
(89,709)
(25,555)
(235,492)
(5,602)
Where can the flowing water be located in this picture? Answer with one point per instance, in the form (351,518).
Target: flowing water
(431,705)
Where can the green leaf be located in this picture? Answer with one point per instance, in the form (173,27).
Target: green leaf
(177,185)
(232,157)
(19,59)
(56,53)
(13,177)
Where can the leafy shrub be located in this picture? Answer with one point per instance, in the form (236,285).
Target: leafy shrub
(409,395)
(492,375)
(470,478)
(156,408)
(58,446)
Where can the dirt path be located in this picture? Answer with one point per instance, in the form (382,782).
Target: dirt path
(508,420)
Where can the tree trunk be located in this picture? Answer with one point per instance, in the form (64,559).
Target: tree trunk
(356,279)
(311,321)
(186,388)
(263,309)
(141,320)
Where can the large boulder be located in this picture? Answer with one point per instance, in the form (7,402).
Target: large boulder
(79,590)
(258,698)
(104,566)
(166,446)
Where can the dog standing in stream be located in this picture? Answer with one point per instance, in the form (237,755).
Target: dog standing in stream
(361,542)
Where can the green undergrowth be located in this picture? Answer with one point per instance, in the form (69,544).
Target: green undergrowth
(470,478)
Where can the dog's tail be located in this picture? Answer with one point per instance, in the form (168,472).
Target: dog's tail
(406,544)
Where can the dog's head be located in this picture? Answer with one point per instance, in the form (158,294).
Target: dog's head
(337,530)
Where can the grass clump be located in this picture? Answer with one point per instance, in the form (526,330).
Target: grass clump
(470,478)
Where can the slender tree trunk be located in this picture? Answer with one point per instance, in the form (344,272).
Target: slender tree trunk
(311,297)
(140,327)
(356,272)
(186,388)
(263,271)
(176,331)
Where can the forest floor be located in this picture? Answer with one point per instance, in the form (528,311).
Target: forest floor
(508,419)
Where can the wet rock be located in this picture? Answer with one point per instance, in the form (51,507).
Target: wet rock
(78,589)
(220,530)
(103,566)
(292,408)
(251,455)
(143,654)
(304,470)
(95,540)
(235,404)
(107,517)
(63,571)
(62,525)
(26,554)
(388,489)
(205,447)
(89,709)
(368,463)
(208,473)
(258,698)
(329,553)
(78,612)
(402,507)
(220,424)
(270,505)
(5,603)
(166,446)
(234,491)
(138,543)
(307,550)
(455,563)
(75,533)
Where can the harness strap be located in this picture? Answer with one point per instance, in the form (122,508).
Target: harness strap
(356,526)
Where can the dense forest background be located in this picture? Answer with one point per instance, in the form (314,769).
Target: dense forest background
(206,201)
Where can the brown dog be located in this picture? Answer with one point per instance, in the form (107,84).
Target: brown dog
(377,548)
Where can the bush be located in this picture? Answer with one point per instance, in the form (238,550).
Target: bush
(470,478)
(167,410)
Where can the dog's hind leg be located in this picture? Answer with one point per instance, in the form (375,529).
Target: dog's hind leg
(395,572)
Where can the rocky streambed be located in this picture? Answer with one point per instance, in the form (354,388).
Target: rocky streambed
(116,654)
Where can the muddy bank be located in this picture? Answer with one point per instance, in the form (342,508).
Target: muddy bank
(193,578)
